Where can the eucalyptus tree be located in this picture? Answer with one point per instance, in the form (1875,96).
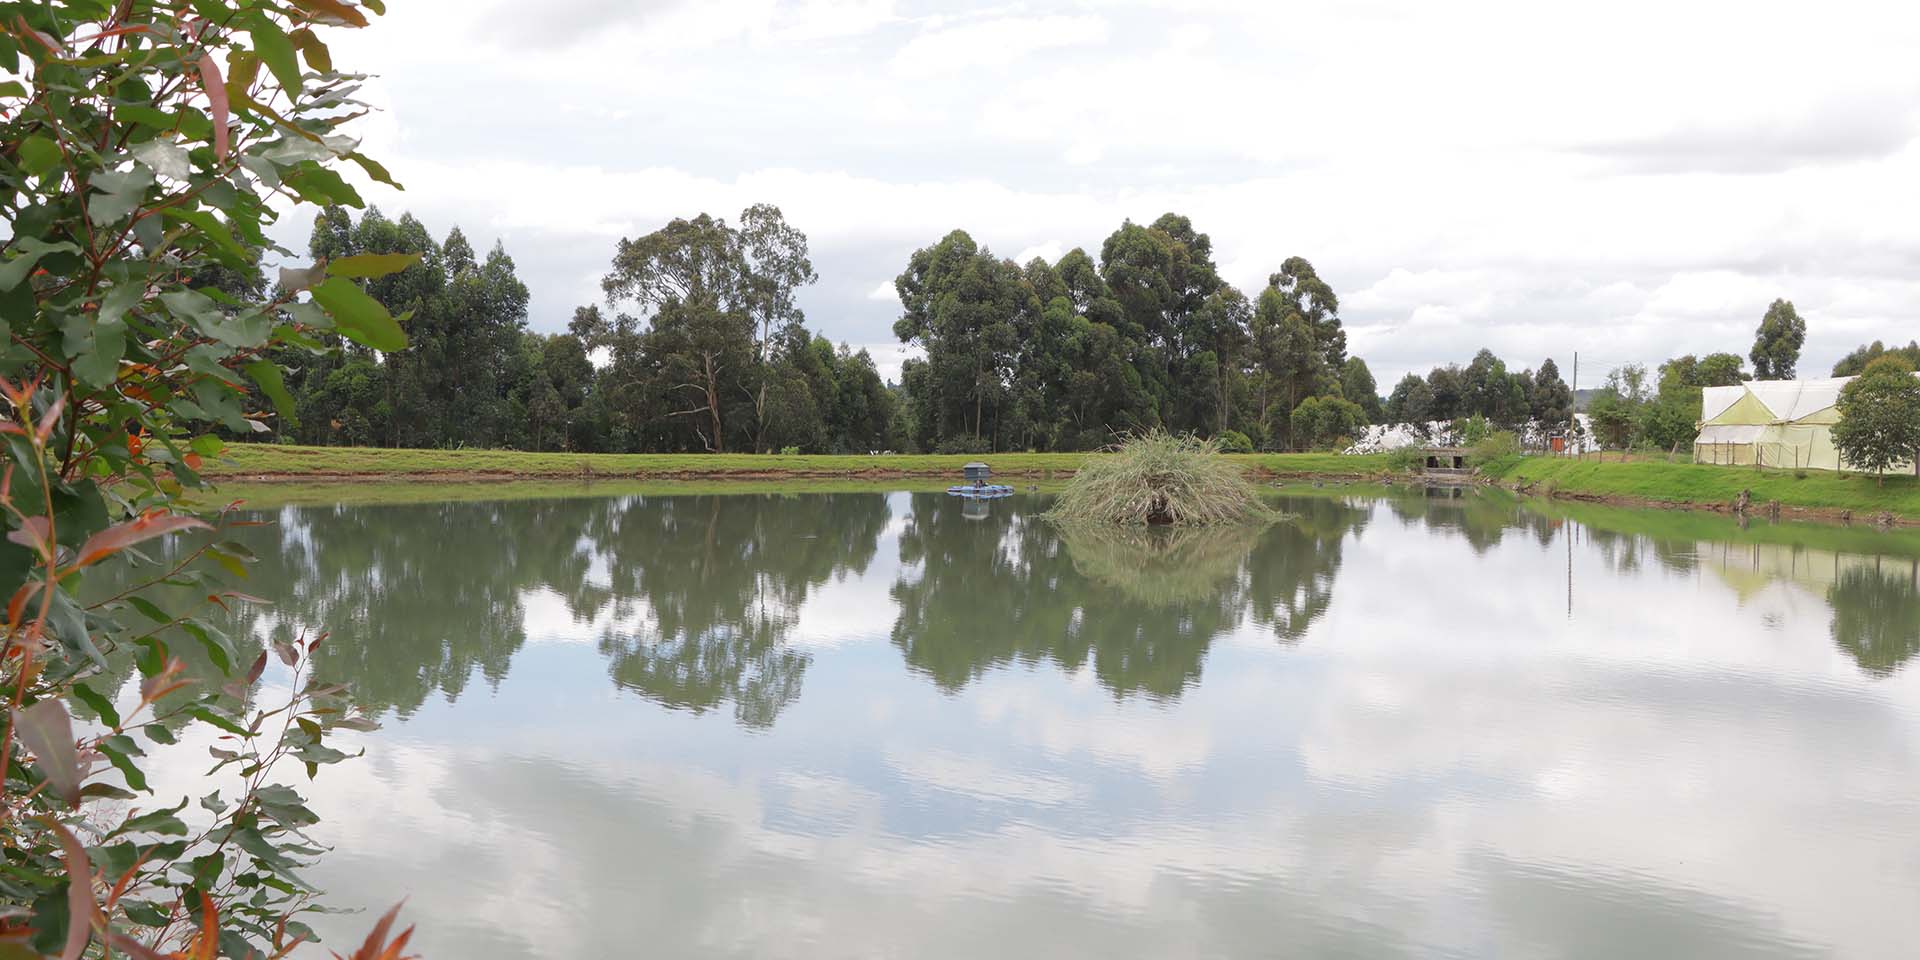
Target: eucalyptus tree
(1289,363)
(690,277)
(1303,292)
(1411,402)
(959,304)
(1777,342)
(1551,401)
(1357,385)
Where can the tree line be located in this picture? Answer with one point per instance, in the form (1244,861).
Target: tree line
(1073,354)
(701,345)
(722,360)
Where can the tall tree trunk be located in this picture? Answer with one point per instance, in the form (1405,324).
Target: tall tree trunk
(713,405)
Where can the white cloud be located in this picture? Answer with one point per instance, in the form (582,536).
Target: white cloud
(1481,176)
(993,43)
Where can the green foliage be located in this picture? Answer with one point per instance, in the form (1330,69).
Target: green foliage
(1853,364)
(1472,430)
(149,143)
(1494,449)
(1879,426)
(1777,342)
(1618,410)
(1233,441)
(1325,423)
(1158,478)
(1412,402)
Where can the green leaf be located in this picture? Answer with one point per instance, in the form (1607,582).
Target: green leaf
(120,751)
(100,705)
(224,722)
(39,154)
(158,733)
(316,52)
(375,170)
(162,822)
(206,869)
(317,184)
(119,195)
(149,610)
(96,348)
(266,373)
(370,265)
(277,50)
(358,317)
(209,227)
(219,648)
(31,250)
(144,115)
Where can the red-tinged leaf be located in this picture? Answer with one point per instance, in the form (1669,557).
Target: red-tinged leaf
(8,426)
(45,729)
(134,948)
(80,903)
(206,946)
(216,89)
(17,606)
(289,654)
(333,9)
(51,418)
(120,536)
(376,946)
(163,683)
(247,597)
(35,534)
(259,667)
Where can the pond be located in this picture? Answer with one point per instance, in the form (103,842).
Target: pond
(896,724)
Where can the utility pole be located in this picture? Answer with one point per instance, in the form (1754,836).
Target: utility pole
(1573,412)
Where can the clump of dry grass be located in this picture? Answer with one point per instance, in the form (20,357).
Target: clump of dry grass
(1157,478)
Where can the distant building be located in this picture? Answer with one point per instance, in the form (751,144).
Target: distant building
(1772,423)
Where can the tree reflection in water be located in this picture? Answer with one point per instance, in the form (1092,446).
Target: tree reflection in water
(694,601)
(1140,608)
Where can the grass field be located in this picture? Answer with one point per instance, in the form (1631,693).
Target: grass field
(274,462)
(405,475)
(1688,483)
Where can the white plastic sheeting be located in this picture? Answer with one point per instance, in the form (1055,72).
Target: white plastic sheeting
(1381,437)
(1797,399)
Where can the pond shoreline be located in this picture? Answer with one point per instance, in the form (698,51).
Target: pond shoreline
(1666,486)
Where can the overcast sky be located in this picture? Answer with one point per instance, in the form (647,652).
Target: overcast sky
(1627,180)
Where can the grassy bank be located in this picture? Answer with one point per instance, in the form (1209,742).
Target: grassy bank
(274,463)
(1817,493)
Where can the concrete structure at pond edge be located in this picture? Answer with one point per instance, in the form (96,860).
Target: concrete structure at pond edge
(1445,463)
(1772,423)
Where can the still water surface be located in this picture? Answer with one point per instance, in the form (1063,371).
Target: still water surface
(872,725)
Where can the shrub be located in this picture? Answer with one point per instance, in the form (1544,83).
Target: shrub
(1494,448)
(1321,423)
(1879,424)
(1471,430)
(133,166)
(1157,478)
(1233,441)
(789,451)
(1405,459)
